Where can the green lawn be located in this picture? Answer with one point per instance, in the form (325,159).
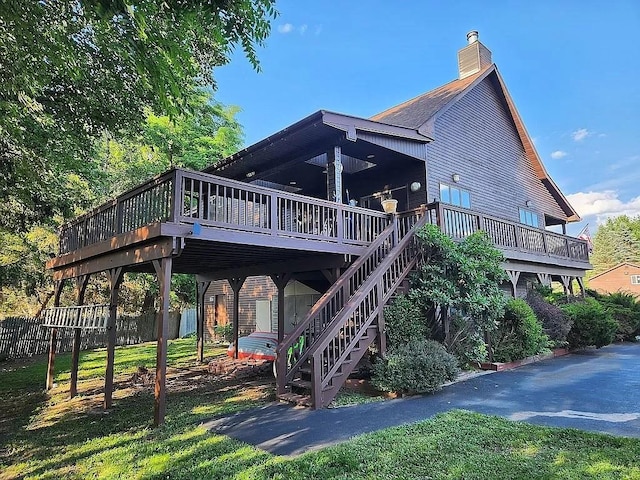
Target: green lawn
(47,436)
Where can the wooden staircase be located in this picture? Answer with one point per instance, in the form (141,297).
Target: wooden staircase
(315,359)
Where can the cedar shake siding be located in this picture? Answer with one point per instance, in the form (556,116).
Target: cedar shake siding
(476,138)
(618,279)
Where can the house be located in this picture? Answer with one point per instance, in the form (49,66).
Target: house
(624,277)
(482,159)
(290,233)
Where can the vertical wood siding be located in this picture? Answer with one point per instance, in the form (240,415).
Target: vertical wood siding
(476,138)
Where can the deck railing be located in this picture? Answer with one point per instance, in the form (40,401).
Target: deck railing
(459,223)
(190,197)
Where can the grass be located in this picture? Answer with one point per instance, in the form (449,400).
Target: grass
(48,436)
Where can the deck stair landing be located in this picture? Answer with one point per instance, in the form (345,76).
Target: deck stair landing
(316,358)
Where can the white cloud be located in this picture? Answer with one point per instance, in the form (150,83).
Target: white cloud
(558,154)
(285,28)
(603,204)
(580,134)
(302,29)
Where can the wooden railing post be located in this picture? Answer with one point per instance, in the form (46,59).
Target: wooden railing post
(340,219)
(175,201)
(517,231)
(273,214)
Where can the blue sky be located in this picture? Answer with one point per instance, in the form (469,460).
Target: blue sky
(572,68)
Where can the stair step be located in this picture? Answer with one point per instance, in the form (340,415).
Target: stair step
(303,400)
(300,383)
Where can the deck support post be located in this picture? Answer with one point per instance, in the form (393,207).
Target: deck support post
(81,288)
(580,281)
(280,280)
(53,342)
(514,275)
(115,279)
(201,290)
(566,283)
(544,279)
(334,174)
(163,272)
(236,285)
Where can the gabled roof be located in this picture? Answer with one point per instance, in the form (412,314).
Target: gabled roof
(628,264)
(422,111)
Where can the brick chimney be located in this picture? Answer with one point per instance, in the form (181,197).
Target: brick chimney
(474,57)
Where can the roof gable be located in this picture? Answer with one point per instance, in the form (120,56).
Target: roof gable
(422,111)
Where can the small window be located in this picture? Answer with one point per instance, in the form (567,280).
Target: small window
(455,196)
(635,279)
(528,217)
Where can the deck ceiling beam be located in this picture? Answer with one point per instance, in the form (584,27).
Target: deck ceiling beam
(319,262)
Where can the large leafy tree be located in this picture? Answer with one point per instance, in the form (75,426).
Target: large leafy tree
(72,70)
(616,241)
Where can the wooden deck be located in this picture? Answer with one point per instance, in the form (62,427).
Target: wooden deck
(210,224)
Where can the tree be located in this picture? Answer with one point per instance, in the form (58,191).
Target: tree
(462,279)
(200,137)
(616,241)
(72,70)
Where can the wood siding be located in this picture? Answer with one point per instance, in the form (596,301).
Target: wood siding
(254,288)
(616,280)
(476,139)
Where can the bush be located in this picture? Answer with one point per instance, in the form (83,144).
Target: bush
(625,309)
(519,334)
(467,343)
(555,323)
(592,324)
(224,332)
(419,366)
(404,321)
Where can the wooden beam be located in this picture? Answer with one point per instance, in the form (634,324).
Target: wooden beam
(334,174)
(201,290)
(514,275)
(280,280)
(81,288)
(162,248)
(163,272)
(315,263)
(236,285)
(53,341)
(114,276)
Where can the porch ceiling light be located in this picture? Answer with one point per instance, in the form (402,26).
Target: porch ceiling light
(251,174)
(415,186)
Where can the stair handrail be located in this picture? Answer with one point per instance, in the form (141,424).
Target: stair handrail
(363,292)
(293,337)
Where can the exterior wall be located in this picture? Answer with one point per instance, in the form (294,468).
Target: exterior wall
(476,138)
(254,288)
(617,280)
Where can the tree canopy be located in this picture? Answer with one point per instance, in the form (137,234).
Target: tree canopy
(616,241)
(72,70)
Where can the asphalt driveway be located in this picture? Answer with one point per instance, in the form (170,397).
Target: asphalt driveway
(595,390)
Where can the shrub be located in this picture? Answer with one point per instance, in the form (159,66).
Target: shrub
(519,334)
(224,332)
(555,323)
(419,366)
(592,324)
(625,309)
(404,321)
(467,343)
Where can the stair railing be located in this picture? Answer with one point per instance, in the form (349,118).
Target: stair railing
(340,337)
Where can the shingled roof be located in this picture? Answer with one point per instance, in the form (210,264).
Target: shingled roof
(420,113)
(416,112)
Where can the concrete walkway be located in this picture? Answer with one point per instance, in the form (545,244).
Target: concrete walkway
(595,390)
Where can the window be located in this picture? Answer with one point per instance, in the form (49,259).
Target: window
(635,279)
(528,217)
(455,196)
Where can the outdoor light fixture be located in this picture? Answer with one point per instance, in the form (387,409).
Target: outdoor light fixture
(371,155)
(455,177)
(528,203)
(251,174)
(415,186)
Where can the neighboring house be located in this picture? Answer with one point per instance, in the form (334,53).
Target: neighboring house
(624,277)
(275,227)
